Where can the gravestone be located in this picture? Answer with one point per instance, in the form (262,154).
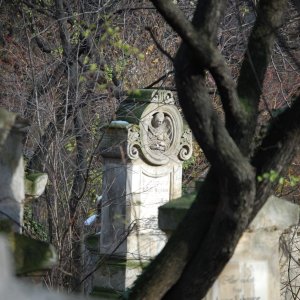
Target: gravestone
(29,255)
(261,266)
(143,151)
(12,170)
(12,288)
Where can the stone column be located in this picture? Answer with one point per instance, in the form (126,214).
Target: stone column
(11,171)
(143,151)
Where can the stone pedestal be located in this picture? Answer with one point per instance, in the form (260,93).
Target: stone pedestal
(254,270)
(261,267)
(143,151)
(11,171)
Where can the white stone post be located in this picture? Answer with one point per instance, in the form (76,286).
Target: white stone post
(143,151)
(11,170)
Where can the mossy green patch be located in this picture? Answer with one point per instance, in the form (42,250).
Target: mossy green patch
(6,225)
(104,293)
(174,211)
(92,242)
(31,255)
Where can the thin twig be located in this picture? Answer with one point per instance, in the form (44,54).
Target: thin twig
(159,46)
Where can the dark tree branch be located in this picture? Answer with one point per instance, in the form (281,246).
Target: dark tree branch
(43,45)
(256,60)
(203,47)
(224,204)
(39,158)
(225,157)
(42,87)
(159,46)
(287,50)
(278,148)
(164,77)
(44,11)
(297,5)
(79,179)
(178,21)
(63,30)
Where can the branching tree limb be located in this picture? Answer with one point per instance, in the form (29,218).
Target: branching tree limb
(231,195)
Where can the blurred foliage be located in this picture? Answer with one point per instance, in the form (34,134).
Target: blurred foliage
(34,228)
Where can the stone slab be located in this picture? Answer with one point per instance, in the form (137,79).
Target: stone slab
(276,212)
(253,272)
(12,288)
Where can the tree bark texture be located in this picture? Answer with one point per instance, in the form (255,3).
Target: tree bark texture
(231,196)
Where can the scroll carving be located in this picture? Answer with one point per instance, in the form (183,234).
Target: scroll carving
(165,97)
(186,149)
(133,144)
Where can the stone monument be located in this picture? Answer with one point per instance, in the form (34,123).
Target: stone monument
(143,151)
(12,170)
(265,264)
(254,270)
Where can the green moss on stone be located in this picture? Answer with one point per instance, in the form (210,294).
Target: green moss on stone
(92,242)
(125,263)
(6,226)
(182,203)
(171,213)
(141,94)
(104,293)
(247,105)
(31,255)
(35,184)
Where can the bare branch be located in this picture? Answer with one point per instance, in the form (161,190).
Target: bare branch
(257,57)
(43,45)
(164,77)
(45,11)
(278,148)
(202,43)
(159,46)
(63,30)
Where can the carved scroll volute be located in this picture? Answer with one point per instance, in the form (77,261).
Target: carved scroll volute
(133,144)
(186,146)
(163,97)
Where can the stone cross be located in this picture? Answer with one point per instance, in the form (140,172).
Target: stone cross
(143,151)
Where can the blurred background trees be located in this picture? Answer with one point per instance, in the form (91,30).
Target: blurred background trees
(66,65)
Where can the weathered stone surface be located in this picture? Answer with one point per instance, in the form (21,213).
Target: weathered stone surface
(31,255)
(276,213)
(148,128)
(143,151)
(35,184)
(12,288)
(253,272)
(262,267)
(170,214)
(12,169)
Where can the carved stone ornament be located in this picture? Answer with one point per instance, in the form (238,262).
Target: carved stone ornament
(186,149)
(133,144)
(161,96)
(161,136)
(148,126)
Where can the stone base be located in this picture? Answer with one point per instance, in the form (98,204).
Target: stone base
(105,294)
(117,274)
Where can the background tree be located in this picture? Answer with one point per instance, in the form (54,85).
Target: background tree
(66,64)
